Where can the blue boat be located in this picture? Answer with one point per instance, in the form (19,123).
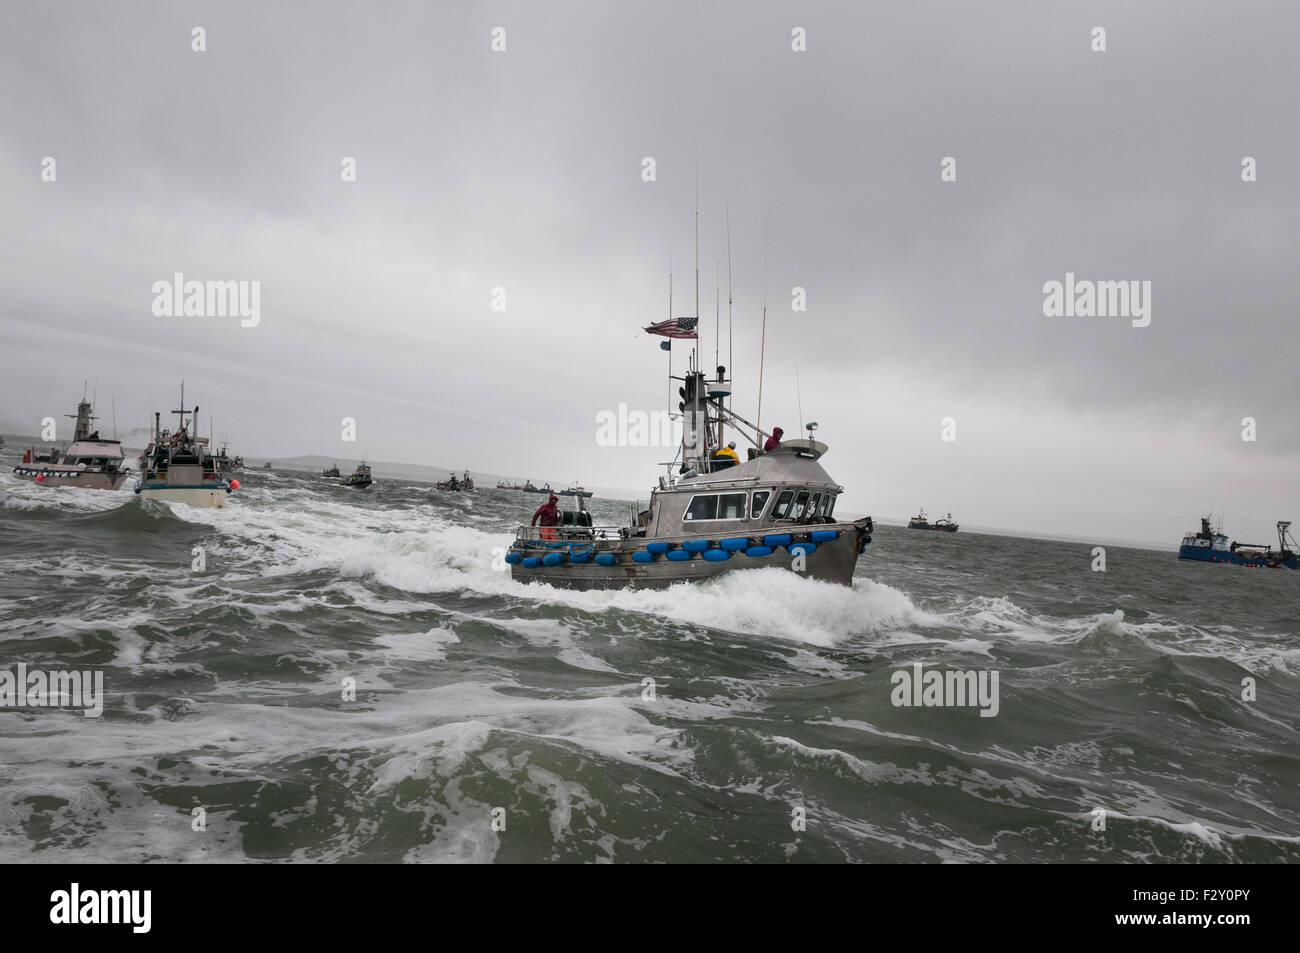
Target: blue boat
(1213,547)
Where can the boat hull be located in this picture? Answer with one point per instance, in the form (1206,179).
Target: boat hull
(86,479)
(205,496)
(829,561)
(1257,561)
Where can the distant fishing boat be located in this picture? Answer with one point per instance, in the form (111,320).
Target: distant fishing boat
(1212,546)
(573,490)
(332,472)
(226,464)
(503,485)
(91,461)
(179,468)
(463,484)
(944,524)
(360,477)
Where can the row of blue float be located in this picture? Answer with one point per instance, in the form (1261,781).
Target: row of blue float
(713,552)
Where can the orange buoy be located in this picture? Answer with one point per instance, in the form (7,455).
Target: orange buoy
(40,478)
(234,484)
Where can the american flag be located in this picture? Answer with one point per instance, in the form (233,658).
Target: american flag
(676,328)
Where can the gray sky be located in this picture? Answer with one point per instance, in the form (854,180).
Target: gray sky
(522,170)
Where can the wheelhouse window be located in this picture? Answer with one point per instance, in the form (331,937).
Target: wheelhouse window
(781,508)
(800,505)
(702,508)
(828,505)
(760,501)
(731,506)
(716,506)
(814,505)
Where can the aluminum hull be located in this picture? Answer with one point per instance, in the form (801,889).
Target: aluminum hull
(833,561)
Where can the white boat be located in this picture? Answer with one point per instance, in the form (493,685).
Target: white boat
(178,467)
(90,462)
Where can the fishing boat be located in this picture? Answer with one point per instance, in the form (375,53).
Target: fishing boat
(944,524)
(360,477)
(90,462)
(573,490)
(504,485)
(707,515)
(179,467)
(332,472)
(463,484)
(1212,546)
(226,464)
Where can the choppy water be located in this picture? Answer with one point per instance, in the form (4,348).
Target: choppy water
(1118,690)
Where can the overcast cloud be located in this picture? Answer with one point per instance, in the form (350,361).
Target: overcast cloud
(522,170)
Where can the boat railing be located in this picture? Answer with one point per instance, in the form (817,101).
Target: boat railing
(532,535)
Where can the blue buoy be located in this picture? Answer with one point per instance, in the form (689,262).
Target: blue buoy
(531,562)
(642,556)
(806,548)
(695,545)
(759,551)
(738,542)
(679,555)
(606,559)
(658,546)
(777,539)
(552,559)
(580,557)
(513,558)
(716,555)
(824,535)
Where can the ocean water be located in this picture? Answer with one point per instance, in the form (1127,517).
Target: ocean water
(481,704)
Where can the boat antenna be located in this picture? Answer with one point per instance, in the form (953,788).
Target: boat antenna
(798,393)
(669,349)
(762,351)
(729,341)
(717,313)
(697,233)
(114,416)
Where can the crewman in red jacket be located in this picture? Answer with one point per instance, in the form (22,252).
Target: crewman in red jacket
(774,441)
(549,514)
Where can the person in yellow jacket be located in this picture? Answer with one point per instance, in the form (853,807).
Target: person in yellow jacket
(728,453)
